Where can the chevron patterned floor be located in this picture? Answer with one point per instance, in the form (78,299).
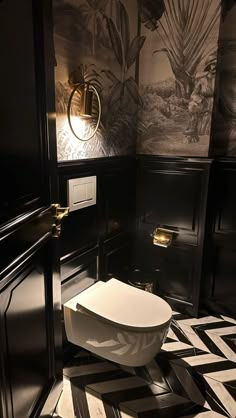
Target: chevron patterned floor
(193,376)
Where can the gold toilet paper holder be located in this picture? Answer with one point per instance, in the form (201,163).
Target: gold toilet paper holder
(163,237)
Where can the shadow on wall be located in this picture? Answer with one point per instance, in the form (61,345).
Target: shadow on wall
(103,34)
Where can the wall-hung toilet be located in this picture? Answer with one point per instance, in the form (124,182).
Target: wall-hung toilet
(118,322)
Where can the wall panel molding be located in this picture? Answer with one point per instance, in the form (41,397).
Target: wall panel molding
(96,240)
(218,287)
(172,192)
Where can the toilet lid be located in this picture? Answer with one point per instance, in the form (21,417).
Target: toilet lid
(125,305)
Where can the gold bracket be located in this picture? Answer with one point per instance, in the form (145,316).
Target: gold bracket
(163,237)
(58,214)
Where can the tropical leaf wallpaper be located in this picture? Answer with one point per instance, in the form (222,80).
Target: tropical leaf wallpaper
(97,41)
(154,63)
(224,121)
(180,53)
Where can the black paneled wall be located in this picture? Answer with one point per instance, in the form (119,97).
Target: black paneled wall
(193,197)
(218,287)
(96,242)
(172,193)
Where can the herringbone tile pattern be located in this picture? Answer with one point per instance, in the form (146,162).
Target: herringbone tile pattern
(193,376)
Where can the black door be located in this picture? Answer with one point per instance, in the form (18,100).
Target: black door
(30,368)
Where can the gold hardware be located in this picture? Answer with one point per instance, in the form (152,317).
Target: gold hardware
(56,231)
(87,91)
(58,214)
(163,237)
(148,287)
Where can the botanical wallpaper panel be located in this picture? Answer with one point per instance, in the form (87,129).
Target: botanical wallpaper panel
(97,41)
(177,75)
(224,121)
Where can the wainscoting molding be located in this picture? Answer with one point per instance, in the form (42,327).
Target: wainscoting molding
(172,192)
(96,242)
(104,230)
(218,287)
(192,196)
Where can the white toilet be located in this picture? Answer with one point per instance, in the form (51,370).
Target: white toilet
(118,322)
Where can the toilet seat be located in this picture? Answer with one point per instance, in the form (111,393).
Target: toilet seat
(124,305)
(118,322)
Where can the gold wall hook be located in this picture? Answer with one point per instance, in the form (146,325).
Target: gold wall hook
(163,237)
(58,214)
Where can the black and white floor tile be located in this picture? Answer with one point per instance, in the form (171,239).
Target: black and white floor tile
(194,375)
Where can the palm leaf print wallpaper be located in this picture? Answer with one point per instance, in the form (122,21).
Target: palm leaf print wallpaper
(223,136)
(97,41)
(180,53)
(162,69)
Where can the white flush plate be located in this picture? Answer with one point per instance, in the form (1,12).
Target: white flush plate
(81,192)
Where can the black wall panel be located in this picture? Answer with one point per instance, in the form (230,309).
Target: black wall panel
(177,193)
(172,193)
(224,192)
(164,190)
(218,290)
(72,263)
(80,231)
(99,236)
(117,257)
(224,274)
(78,272)
(96,242)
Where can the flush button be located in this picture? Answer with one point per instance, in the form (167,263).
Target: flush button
(90,191)
(81,192)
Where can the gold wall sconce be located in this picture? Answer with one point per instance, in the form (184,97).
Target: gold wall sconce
(163,237)
(84,114)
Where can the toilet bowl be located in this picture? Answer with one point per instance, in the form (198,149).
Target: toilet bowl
(118,322)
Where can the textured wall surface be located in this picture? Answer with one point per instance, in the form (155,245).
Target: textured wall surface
(177,76)
(224,124)
(163,105)
(97,40)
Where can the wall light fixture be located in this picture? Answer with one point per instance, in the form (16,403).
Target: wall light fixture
(83,112)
